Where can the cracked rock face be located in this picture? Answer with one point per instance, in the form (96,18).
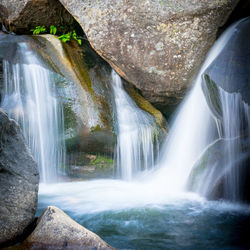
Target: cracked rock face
(158,45)
(19,179)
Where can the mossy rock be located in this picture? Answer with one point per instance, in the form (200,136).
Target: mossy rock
(89,166)
(148,107)
(95,141)
(70,119)
(79,65)
(102,160)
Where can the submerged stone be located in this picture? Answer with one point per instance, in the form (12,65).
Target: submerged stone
(216,177)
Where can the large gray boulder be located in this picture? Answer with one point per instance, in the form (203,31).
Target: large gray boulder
(56,230)
(19,180)
(158,45)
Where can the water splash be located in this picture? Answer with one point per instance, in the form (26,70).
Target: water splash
(137,133)
(29,97)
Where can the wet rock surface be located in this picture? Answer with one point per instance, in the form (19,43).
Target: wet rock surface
(231,69)
(19,180)
(213,171)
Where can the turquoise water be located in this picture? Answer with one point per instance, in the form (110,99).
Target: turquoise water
(181,224)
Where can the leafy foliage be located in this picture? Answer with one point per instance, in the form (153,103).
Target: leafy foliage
(53,29)
(65,37)
(38,30)
(75,36)
(100,159)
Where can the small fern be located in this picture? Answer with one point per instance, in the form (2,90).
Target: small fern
(53,29)
(75,36)
(38,30)
(66,37)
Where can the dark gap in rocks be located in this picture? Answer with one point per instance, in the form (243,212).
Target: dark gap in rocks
(242,10)
(38,13)
(90,56)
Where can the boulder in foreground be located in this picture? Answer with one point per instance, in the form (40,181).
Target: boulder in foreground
(19,180)
(56,230)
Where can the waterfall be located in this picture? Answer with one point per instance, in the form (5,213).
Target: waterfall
(29,97)
(194,128)
(222,169)
(235,126)
(228,157)
(136,133)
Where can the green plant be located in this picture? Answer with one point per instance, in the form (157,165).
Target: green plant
(101,159)
(53,29)
(38,30)
(75,36)
(67,37)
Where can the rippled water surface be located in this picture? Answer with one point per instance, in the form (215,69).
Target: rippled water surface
(130,221)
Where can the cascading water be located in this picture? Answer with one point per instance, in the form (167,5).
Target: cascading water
(192,130)
(29,97)
(195,128)
(235,126)
(136,133)
(220,171)
(156,211)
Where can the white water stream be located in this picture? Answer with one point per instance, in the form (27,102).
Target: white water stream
(137,130)
(235,125)
(193,129)
(29,97)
